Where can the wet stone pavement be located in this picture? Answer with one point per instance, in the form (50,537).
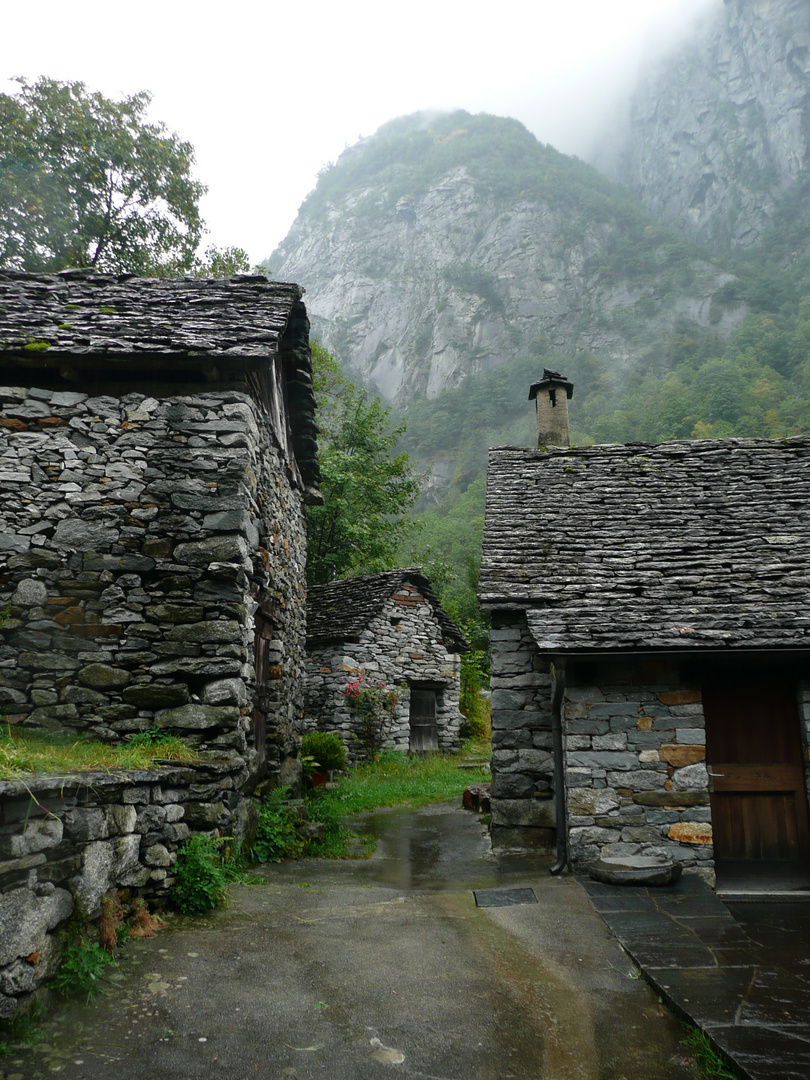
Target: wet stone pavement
(383,967)
(738,970)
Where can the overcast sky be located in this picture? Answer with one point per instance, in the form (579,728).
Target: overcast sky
(269,92)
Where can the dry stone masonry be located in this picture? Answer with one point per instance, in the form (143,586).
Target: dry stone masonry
(634,577)
(383,628)
(635,772)
(139,535)
(157,451)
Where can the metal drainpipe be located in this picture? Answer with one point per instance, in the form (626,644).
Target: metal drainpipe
(559,771)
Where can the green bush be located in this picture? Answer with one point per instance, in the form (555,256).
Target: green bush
(276,838)
(82,966)
(201,881)
(326,747)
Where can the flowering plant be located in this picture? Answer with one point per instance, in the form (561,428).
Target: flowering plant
(374,704)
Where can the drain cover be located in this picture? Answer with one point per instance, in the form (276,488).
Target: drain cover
(503,897)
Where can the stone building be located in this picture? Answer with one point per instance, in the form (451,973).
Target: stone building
(158,447)
(387,628)
(651,609)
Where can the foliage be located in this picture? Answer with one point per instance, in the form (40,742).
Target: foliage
(201,880)
(397,779)
(407,155)
(87,182)
(367,489)
(222,263)
(373,703)
(276,838)
(83,965)
(473,704)
(24,752)
(153,736)
(710,1063)
(22,1029)
(392,779)
(327,749)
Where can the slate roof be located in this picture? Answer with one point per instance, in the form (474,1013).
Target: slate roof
(681,545)
(342,610)
(80,313)
(79,327)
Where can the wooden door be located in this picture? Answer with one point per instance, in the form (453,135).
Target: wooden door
(424,735)
(754,753)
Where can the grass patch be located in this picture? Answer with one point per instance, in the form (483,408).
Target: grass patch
(27,753)
(710,1063)
(21,1030)
(395,779)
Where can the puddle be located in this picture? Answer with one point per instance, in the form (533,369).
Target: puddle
(438,848)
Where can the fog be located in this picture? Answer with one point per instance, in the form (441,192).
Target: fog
(269,94)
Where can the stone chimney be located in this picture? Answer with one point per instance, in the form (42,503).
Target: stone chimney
(551,395)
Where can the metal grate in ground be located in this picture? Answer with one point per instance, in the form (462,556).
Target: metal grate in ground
(503,897)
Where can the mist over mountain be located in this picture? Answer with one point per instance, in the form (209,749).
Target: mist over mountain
(446,244)
(450,257)
(718,130)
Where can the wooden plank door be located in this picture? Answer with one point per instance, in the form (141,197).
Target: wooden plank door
(754,753)
(424,735)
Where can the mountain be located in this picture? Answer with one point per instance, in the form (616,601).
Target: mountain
(449,258)
(446,245)
(718,133)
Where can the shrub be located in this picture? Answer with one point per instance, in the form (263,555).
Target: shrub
(327,749)
(276,838)
(83,964)
(201,881)
(373,703)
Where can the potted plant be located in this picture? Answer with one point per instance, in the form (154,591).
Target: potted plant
(324,753)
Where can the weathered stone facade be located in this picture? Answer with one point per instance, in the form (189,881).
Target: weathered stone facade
(66,841)
(384,627)
(646,583)
(157,450)
(139,534)
(522,766)
(635,768)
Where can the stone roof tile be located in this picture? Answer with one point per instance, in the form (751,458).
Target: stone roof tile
(677,545)
(342,610)
(77,313)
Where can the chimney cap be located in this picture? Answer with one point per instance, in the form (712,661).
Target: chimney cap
(551,379)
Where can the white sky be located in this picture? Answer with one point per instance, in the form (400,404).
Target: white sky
(269,92)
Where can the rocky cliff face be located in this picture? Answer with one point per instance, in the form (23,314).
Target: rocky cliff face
(719,132)
(419,275)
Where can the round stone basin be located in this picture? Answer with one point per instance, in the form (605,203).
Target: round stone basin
(636,870)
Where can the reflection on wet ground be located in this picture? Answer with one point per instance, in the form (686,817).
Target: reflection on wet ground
(346,969)
(437,849)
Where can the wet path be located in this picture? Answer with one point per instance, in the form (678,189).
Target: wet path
(740,971)
(364,969)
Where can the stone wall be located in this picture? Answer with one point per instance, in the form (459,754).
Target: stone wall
(138,535)
(66,841)
(635,771)
(401,646)
(522,764)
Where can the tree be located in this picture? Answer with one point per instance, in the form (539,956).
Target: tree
(87,182)
(367,489)
(221,263)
